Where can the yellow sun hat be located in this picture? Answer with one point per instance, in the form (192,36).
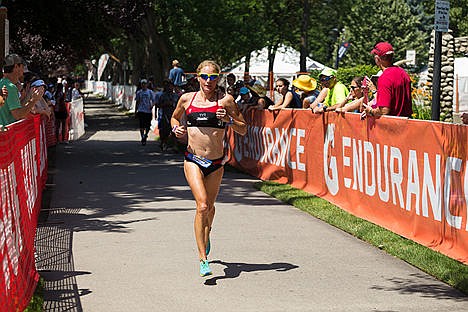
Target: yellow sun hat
(305,83)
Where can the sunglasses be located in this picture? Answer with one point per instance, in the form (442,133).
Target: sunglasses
(324,79)
(353,87)
(209,77)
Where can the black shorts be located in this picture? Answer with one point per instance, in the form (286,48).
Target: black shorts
(215,164)
(145,120)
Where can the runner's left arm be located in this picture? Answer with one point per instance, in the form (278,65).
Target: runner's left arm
(232,115)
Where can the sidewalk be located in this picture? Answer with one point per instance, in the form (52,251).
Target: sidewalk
(120,238)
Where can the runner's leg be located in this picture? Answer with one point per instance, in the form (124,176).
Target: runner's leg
(212,184)
(194,178)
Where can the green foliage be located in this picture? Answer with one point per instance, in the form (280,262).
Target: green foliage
(346,75)
(150,34)
(421,112)
(384,20)
(37,300)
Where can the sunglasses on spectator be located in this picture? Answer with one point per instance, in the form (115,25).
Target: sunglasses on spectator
(353,87)
(324,79)
(209,77)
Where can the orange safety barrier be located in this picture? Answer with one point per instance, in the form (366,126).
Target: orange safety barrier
(409,176)
(23,173)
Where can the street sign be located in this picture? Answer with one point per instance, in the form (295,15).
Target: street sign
(411,57)
(441,14)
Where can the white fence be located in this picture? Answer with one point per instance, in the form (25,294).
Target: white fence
(122,95)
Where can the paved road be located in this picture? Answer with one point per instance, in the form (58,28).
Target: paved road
(119,237)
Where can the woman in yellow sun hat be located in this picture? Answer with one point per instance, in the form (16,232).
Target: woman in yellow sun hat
(306,87)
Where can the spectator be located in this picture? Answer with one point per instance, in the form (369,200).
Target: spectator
(151,84)
(60,112)
(235,88)
(76,92)
(144,99)
(306,88)
(394,85)
(165,101)
(66,90)
(261,100)
(191,84)
(354,100)
(230,80)
(176,74)
(245,100)
(333,93)
(12,110)
(464,118)
(41,107)
(289,98)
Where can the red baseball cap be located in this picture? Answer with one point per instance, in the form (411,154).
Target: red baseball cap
(382,48)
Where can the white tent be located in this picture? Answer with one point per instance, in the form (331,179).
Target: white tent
(286,63)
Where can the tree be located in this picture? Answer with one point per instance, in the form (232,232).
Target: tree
(383,20)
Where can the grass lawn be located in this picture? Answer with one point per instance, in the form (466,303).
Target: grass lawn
(436,264)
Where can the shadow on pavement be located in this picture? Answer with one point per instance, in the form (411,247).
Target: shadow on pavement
(429,289)
(234,270)
(54,261)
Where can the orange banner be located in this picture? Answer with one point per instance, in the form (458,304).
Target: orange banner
(408,176)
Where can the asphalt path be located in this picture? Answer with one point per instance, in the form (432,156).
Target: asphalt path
(119,237)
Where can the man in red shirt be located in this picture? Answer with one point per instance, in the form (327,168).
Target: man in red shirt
(393,87)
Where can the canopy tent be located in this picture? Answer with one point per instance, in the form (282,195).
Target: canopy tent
(286,63)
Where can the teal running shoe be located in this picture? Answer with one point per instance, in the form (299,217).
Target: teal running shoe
(205,268)
(208,247)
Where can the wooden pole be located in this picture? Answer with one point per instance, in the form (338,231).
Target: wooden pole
(457,99)
(3,17)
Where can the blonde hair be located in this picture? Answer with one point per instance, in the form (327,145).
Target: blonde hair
(212,64)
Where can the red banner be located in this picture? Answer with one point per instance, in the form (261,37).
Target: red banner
(408,176)
(23,173)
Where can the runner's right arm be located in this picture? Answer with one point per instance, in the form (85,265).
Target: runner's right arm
(179,130)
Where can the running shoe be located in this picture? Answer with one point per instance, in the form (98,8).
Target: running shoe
(208,247)
(205,268)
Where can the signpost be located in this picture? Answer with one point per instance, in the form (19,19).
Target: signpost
(411,57)
(441,24)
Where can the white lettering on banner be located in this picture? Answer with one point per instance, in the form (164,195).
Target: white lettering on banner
(384,195)
(271,146)
(432,191)
(357,165)
(370,183)
(380,168)
(30,174)
(412,186)
(332,182)
(396,177)
(43,144)
(452,164)
(300,149)
(10,237)
(291,164)
(346,160)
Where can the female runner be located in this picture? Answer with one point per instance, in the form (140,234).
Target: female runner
(208,112)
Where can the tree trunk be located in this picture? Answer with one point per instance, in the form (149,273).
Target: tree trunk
(247,68)
(271,62)
(304,39)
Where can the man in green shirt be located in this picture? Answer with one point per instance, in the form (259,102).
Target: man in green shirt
(12,110)
(334,92)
